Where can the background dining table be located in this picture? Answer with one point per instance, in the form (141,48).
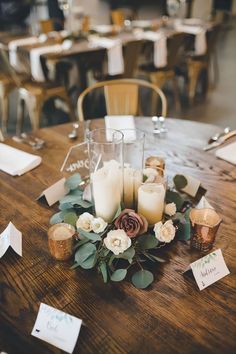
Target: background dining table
(172,315)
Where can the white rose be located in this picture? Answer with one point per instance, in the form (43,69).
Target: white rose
(98,225)
(85,222)
(117,241)
(164,232)
(170,209)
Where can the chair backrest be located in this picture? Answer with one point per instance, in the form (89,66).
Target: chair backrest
(118,17)
(131,56)
(122,96)
(7,68)
(174,45)
(212,38)
(46,26)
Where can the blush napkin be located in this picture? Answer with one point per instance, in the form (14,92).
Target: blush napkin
(16,162)
(228,153)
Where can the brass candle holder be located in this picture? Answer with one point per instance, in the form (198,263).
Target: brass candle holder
(60,241)
(204,226)
(157,163)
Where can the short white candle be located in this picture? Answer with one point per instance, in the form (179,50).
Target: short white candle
(106,184)
(151,197)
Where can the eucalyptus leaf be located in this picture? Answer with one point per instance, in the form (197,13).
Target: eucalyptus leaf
(70,198)
(119,275)
(174,197)
(147,241)
(80,243)
(89,262)
(128,254)
(89,235)
(117,213)
(70,218)
(142,279)
(103,269)
(180,181)
(73,181)
(184,231)
(84,203)
(158,259)
(56,218)
(84,252)
(75,265)
(65,206)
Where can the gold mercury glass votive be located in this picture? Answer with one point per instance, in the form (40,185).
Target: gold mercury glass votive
(204,226)
(157,163)
(60,241)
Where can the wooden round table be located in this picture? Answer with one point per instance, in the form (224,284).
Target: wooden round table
(172,315)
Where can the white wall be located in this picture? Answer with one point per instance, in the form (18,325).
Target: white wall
(98,10)
(202,9)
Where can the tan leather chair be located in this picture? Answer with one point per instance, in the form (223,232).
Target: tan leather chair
(122,96)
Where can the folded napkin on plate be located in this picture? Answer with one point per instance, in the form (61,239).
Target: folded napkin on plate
(160,46)
(200,36)
(124,123)
(114,53)
(13,45)
(35,53)
(17,162)
(228,153)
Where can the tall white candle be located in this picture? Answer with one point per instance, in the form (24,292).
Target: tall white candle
(106,184)
(128,187)
(151,198)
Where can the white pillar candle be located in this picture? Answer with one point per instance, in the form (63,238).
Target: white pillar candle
(128,187)
(138,179)
(106,184)
(151,197)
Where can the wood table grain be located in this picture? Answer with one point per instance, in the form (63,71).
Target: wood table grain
(172,315)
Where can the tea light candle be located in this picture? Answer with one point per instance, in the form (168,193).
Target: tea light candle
(156,163)
(107,186)
(151,197)
(60,241)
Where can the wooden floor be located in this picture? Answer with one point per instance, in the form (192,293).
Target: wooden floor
(220,106)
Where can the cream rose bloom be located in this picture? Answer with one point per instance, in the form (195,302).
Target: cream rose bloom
(170,209)
(117,241)
(85,222)
(164,232)
(98,225)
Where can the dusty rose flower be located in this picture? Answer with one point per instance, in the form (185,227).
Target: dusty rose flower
(132,223)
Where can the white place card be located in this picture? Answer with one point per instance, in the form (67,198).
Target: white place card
(192,186)
(204,204)
(55,192)
(57,328)
(209,269)
(11,237)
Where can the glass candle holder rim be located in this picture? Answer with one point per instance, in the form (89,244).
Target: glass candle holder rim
(204,223)
(90,140)
(69,226)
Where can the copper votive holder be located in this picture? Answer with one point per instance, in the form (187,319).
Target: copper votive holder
(155,162)
(204,226)
(60,241)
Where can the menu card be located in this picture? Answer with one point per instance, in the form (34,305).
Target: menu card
(57,328)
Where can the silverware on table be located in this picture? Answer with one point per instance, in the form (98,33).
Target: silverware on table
(220,141)
(34,142)
(74,133)
(216,136)
(159,126)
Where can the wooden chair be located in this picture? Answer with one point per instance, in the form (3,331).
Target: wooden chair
(6,86)
(46,26)
(196,65)
(122,96)
(118,17)
(34,94)
(159,76)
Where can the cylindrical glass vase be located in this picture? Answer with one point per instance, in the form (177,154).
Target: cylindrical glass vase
(105,147)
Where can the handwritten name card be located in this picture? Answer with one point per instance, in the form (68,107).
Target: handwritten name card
(209,269)
(57,328)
